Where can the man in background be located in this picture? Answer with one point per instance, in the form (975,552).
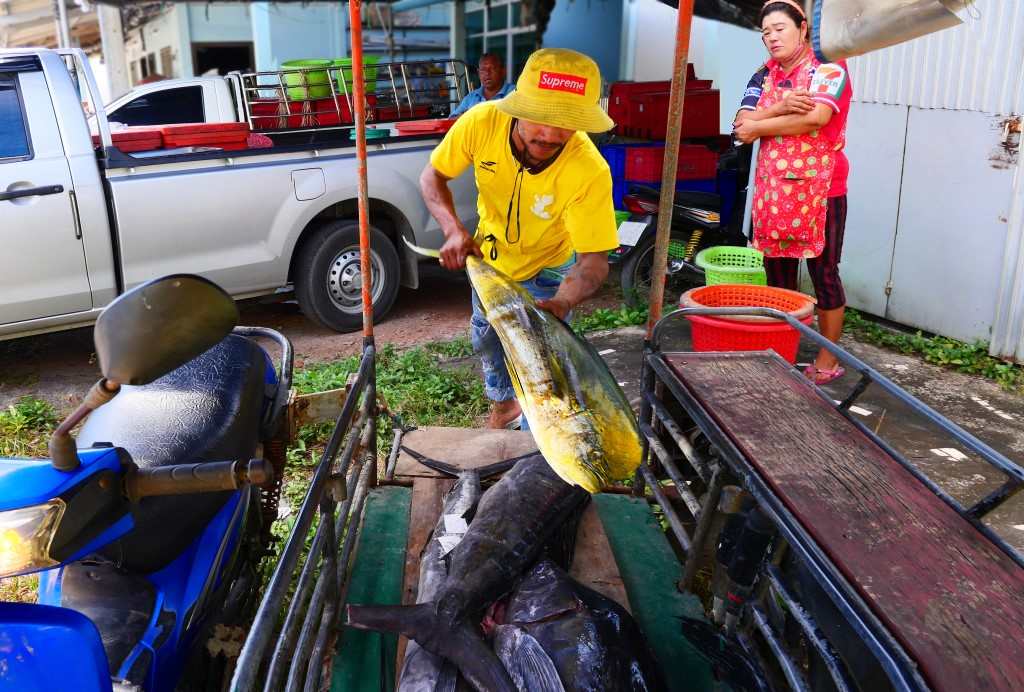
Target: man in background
(492,84)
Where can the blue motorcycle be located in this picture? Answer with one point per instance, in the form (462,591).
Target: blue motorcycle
(151,525)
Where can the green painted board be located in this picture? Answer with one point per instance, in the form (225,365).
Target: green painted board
(366,660)
(650,572)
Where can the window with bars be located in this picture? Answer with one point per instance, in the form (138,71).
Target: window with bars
(498,27)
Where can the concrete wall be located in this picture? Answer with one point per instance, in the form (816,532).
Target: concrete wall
(164,31)
(287,31)
(593,27)
(219,22)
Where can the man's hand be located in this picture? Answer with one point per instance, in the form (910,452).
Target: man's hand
(747,130)
(458,245)
(796,102)
(559,307)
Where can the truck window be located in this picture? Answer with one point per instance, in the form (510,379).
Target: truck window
(181,105)
(13,135)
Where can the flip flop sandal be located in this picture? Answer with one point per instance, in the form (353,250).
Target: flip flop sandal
(823,377)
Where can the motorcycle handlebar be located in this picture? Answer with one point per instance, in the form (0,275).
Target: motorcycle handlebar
(182,479)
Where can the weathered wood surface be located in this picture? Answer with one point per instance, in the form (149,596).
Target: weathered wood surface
(953,599)
(424,510)
(462,447)
(593,563)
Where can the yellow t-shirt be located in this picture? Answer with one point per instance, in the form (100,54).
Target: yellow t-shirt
(564,208)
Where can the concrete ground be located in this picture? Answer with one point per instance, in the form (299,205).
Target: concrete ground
(61,367)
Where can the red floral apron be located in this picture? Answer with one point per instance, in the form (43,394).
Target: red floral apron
(792,180)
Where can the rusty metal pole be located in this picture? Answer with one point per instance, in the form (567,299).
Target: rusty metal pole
(668,171)
(359,96)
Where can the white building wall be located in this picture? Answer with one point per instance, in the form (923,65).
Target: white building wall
(721,52)
(161,32)
(218,22)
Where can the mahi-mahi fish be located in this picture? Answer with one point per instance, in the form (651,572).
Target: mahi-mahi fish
(422,671)
(561,636)
(578,414)
(514,521)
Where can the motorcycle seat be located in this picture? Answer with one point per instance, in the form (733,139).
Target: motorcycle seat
(209,409)
(709,201)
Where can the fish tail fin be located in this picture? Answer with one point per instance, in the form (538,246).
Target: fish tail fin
(502,466)
(454,471)
(460,643)
(439,466)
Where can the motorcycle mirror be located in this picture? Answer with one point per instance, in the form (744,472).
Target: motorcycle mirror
(162,324)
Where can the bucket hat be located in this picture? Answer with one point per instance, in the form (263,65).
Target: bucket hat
(561,88)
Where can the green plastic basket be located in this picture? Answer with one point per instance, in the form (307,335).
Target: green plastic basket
(308,84)
(344,67)
(732,265)
(620,216)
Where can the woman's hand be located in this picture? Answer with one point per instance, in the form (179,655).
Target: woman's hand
(796,102)
(747,130)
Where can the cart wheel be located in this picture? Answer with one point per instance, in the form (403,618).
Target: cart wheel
(636,276)
(328,280)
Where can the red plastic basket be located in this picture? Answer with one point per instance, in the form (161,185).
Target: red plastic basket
(643,164)
(134,138)
(747,333)
(222,135)
(423,127)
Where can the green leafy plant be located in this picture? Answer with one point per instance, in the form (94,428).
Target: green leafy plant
(609,318)
(25,427)
(969,358)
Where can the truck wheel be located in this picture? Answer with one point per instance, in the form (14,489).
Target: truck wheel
(328,281)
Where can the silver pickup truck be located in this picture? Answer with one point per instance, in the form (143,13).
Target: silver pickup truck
(81,224)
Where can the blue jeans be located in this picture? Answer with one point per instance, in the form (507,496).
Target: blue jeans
(497,383)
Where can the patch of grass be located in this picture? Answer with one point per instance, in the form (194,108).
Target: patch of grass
(609,318)
(459,347)
(25,427)
(972,359)
(413,383)
(20,589)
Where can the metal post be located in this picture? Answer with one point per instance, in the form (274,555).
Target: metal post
(63,36)
(359,91)
(668,171)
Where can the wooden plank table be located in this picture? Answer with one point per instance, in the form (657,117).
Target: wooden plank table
(952,599)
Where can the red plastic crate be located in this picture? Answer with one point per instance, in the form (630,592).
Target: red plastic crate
(135,138)
(388,113)
(643,164)
(273,114)
(648,119)
(222,135)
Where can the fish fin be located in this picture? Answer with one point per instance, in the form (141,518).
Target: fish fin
(426,252)
(529,666)
(454,471)
(438,466)
(448,678)
(460,643)
(502,466)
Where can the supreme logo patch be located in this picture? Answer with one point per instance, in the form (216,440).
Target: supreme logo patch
(563,82)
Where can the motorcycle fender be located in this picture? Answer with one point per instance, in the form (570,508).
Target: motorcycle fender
(45,647)
(632,233)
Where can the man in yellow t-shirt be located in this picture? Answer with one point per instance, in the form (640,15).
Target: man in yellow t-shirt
(545,197)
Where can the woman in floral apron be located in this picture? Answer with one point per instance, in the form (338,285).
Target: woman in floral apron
(797,107)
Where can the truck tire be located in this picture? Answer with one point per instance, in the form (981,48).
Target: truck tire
(327,276)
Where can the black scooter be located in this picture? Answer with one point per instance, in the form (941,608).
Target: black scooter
(696,224)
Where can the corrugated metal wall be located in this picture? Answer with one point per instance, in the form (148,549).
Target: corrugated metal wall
(977,66)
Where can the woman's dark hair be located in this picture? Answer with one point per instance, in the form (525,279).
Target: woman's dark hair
(786,9)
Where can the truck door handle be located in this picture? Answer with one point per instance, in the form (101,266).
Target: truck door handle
(32,192)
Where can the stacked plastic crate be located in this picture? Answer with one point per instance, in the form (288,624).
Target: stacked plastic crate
(640,112)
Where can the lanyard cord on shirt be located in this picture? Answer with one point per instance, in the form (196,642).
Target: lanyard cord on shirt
(517,199)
